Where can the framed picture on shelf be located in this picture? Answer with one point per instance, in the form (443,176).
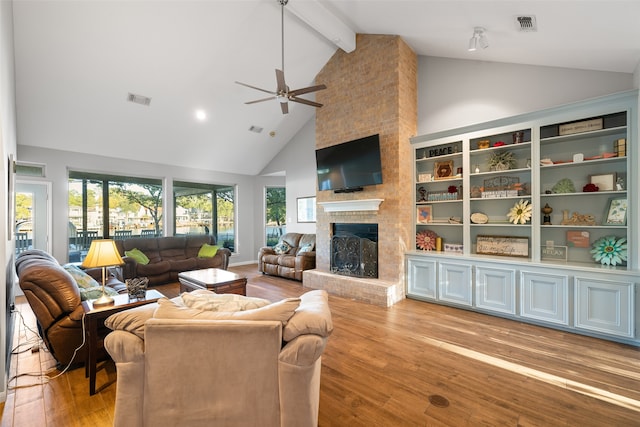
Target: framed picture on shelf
(605,182)
(616,213)
(443,170)
(503,245)
(424,214)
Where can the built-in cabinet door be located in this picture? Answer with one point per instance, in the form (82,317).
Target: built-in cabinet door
(421,278)
(604,306)
(545,297)
(496,289)
(454,283)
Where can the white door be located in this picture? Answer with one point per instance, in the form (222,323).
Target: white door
(33,215)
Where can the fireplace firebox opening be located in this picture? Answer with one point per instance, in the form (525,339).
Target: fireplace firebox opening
(354,250)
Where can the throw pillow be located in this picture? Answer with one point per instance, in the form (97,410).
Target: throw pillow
(278,311)
(137,255)
(83,280)
(95,292)
(306,248)
(222,302)
(281,248)
(207,251)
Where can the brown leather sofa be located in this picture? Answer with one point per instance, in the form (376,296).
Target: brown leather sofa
(55,300)
(294,261)
(169,256)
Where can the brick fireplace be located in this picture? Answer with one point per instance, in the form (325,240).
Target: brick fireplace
(370,90)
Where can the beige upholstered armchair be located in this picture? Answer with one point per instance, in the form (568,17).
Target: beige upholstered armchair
(182,366)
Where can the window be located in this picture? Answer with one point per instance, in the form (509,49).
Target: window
(111,207)
(205,209)
(276,212)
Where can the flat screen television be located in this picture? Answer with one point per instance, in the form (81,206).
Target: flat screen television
(350,166)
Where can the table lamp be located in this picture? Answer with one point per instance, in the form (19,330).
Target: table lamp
(102,253)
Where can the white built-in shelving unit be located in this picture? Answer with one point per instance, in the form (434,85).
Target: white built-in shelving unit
(541,271)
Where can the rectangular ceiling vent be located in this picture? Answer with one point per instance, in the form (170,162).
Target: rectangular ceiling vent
(256,129)
(526,24)
(138,99)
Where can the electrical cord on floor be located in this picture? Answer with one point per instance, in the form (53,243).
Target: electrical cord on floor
(44,377)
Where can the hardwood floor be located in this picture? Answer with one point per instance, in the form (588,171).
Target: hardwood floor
(413,364)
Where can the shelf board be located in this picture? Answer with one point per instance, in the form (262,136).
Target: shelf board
(586,193)
(477,199)
(509,147)
(621,227)
(508,171)
(439,201)
(571,163)
(582,135)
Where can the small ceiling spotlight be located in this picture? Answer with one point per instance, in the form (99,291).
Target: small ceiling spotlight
(201,115)
(478,40)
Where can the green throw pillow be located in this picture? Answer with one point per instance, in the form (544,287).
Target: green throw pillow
(83,280)
(207,251)
(137,255)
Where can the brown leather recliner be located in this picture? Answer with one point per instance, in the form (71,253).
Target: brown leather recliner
(55,300)
(300,256)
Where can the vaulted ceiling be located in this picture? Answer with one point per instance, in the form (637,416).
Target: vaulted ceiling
(77,61)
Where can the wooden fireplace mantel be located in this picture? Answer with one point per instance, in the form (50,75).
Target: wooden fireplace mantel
(352,205)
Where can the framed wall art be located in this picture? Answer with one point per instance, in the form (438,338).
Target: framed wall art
(503,245)
(443,170)
(616,213)
(424,214)
(307,209)
(605,182)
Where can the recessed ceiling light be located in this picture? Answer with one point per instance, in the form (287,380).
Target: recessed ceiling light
(201,115)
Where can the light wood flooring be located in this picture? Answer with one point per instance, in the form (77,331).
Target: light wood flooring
(413,364)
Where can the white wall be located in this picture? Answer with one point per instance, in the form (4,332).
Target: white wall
(58,163)
(7,147)
(298,160)
(454,92)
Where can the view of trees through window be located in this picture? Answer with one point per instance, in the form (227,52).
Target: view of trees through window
(276,209)
(111,207)
(205,209)
(116,207)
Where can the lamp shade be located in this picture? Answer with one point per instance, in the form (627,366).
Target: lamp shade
(102,253)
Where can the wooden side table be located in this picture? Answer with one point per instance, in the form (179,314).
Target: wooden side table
(94,319)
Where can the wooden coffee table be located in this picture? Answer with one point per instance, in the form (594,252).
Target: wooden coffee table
(214,279)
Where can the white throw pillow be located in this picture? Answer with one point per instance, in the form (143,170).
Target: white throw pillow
(222,302)
(279,311)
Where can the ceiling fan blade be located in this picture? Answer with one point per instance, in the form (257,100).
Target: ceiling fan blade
(304,101)
(284,107)
(256,88)
(271,98)
(282,86)
(306,90)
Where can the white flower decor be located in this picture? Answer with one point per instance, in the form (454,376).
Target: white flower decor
(610,250)
(520,212)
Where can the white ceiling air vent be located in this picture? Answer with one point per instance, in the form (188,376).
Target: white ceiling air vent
(256,129)
(138,99)
(526,23)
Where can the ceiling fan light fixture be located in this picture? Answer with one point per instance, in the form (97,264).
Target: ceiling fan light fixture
(282,94)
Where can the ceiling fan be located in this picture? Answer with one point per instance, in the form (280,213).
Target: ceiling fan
(282,92)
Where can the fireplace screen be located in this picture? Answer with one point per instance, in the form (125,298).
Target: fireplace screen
(354,250)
